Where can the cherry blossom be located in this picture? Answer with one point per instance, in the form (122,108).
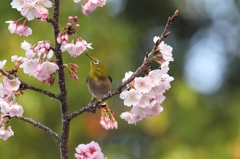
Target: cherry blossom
(76,49)
(32,9)
(36,63)
(15,110)
(8,109)
(89,151)
(12,27)
(6,132)
(11,84)
(131,97)
(166,50)
(91,5)
(145,94)
(4,107)
(21,29)
(44,70)
(142,84)
(107,120)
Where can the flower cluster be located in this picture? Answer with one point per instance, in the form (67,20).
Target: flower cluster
(72,70)
(21,29)
(89,151)
(9,90)
(8,110)
(32,8)
(37,61)
(107,120)
(77,46)
(145,94)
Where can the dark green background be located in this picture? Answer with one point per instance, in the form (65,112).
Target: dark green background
(193,124)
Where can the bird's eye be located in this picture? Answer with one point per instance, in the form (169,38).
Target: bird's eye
(96,62)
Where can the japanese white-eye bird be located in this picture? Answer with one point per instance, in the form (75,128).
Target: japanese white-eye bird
(98,80)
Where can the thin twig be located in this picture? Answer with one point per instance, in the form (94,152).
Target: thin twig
(94,103)
(40,126)
(27,86)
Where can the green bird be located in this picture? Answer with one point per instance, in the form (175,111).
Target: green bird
(98,80)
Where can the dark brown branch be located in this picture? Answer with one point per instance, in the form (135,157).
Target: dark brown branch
(94,104)
(61,83)
(40,126)
(4,73)
(27,86)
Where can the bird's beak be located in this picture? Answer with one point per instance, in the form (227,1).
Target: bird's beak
(90,57)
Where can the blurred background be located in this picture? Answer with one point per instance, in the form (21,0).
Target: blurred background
(201,112)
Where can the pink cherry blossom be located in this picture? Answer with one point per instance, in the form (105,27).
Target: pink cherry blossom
(44,3)
(131,97)
(76,49)
(146,93)
(127,76)
(16,58)
(134,115)
(89,151)
(29,66)
(29,10)
(143,84)
(22,29)
(146,100)
(4,107)
(15,110)
(45,69)
(129,117)
(155,110)
(165,67)
(166,51)
(166,79)
(32,8)
(108,123)
(42,13)
(17,4)
(155,76)
(11,84)
(12,27)
(6,132)
(4,93)
(91,5)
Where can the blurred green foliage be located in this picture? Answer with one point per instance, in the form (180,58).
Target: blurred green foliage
(192,125)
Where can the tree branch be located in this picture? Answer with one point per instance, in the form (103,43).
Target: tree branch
(27,86)
(40,126)
(61,83)
(94,103)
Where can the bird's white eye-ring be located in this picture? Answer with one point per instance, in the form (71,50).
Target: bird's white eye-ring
(96,62)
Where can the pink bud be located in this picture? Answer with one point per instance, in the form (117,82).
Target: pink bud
(47,45)
(59,40)
(75,18)
(77,25)
(70,18)
(69,24)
